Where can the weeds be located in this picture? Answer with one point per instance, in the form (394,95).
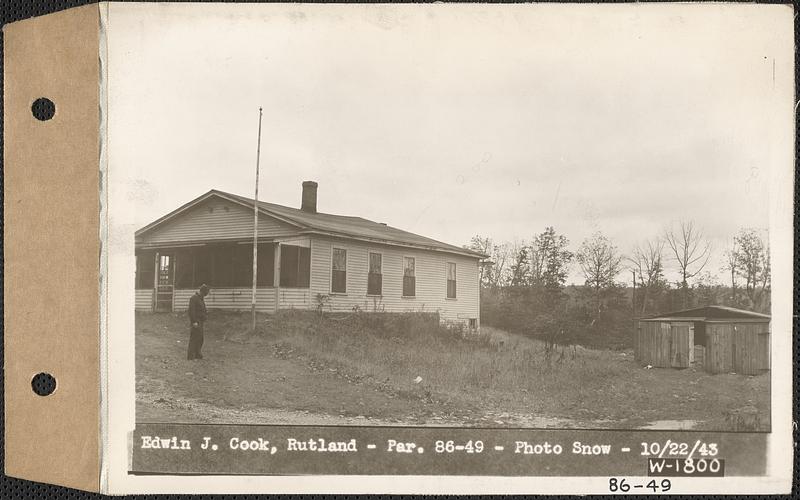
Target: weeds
(401,347)
(415,356)
(321,302)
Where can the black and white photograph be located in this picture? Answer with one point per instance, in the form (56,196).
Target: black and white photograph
(437,217)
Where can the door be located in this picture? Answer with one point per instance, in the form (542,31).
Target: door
(165,281)
(681,344)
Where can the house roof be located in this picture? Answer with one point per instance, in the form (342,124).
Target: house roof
(710,313)
(329,224)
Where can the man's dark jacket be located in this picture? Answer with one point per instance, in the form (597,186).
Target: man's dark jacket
(197,309)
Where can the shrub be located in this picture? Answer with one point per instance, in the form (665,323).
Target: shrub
(556,318)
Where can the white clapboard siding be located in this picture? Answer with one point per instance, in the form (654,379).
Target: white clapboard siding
(431,280)
(296,298)
(144,300)
(238,299)
(215,219)
(233,299)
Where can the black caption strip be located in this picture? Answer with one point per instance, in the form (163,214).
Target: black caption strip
(277,450)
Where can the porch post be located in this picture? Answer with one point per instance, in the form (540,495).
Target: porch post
(174,270)
(276,275)
(155,282)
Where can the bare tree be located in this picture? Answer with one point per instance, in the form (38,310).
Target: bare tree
(493,269)
(501,258)
(646,261)
(690,251)
(766,279)
(483,245)
(600,263)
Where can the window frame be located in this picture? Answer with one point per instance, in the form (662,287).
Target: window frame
(369,257)
(403,284)
(447,280)
(330,282)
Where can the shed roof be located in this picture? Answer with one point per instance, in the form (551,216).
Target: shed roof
(328,224)
(710,313)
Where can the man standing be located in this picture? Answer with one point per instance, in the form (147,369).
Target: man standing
(197,316)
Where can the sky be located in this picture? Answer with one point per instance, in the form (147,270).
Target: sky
(456,120)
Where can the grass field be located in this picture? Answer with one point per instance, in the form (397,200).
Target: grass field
(403,370)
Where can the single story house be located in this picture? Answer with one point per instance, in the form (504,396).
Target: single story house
(717,338)
(305,257)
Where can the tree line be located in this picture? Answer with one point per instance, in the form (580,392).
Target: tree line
(523,283)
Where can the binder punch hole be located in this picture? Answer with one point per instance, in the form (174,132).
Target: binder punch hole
(43,109)
(43,384)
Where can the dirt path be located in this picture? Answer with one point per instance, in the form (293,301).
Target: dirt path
(154,409)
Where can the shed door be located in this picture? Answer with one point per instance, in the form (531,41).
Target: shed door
(165,280)
(681,344)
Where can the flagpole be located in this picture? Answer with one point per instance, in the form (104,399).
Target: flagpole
(255,226)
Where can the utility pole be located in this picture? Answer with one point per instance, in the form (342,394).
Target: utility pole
(255,225)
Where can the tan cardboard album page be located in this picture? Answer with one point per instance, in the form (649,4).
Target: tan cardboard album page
(440,248)
(52,248)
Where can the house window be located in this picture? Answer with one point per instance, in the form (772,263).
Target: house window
(473,323)
(451,280)
(339,271)
(375,276)
(409,277)
(295,266)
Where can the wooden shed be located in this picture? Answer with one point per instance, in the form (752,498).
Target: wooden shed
(719,339)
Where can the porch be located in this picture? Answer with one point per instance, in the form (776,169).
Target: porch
(166,277)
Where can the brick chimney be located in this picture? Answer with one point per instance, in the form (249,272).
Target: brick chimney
(309,201)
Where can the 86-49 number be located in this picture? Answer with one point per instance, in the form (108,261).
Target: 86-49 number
(451,447)
(616,485)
